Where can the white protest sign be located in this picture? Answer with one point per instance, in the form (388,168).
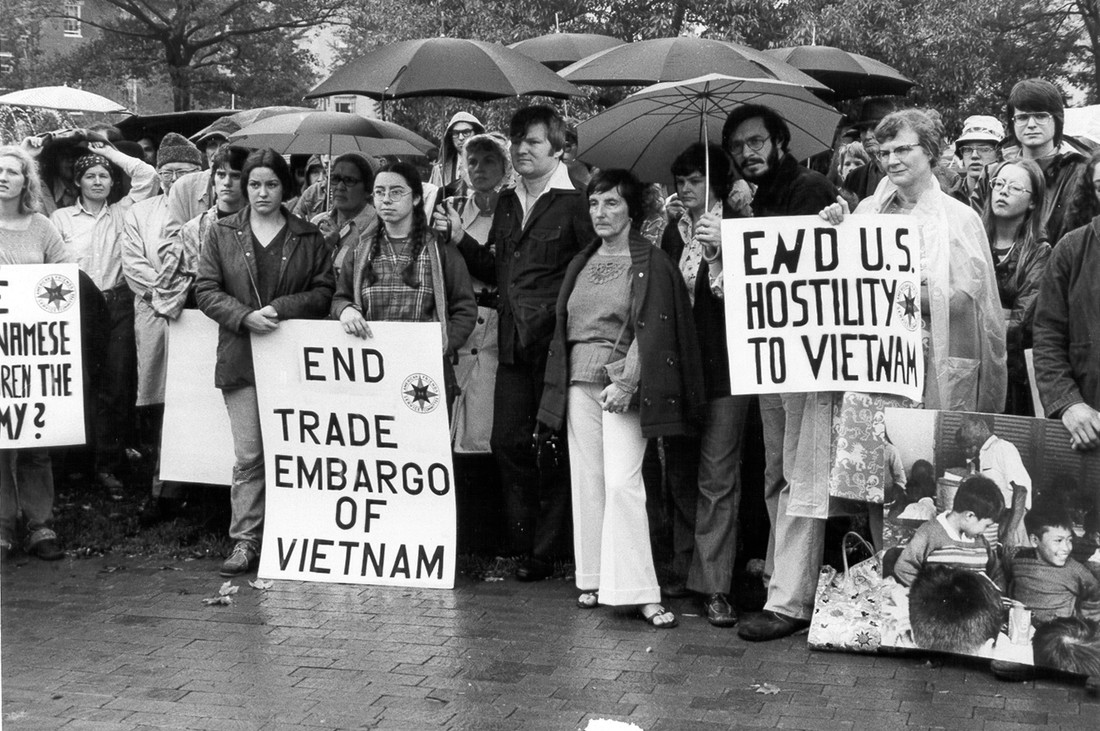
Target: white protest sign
(815,307)
(41,378)
(360,486)
(196,442)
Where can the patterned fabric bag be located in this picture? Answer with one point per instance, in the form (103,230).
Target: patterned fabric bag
(848,610)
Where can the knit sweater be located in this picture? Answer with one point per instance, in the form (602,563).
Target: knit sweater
(39,243)
(932,544)
(1050,591)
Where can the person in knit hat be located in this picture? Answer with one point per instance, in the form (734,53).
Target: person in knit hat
(142,231)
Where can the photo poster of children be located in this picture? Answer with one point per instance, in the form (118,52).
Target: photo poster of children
(992,545)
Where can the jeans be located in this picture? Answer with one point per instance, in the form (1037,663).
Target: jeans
(246,495)
(26,482)
(705,481)
(536,498)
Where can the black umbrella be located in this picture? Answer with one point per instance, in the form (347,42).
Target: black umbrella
(849,75)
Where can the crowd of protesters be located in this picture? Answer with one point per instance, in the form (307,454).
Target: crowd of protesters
(582,318)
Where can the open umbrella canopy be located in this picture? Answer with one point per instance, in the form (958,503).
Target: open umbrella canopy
(331,133)
(647,130)
(557,50)
(849,75)
(676,59)
(64,98)
(444,67)
(236,121)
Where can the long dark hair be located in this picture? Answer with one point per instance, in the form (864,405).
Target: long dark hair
(1031,228)
(419,232)
(1084,205)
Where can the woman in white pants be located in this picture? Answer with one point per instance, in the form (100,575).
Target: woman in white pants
(623,367)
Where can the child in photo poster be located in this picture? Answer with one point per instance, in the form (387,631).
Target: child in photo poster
(1045,578)
(954,537)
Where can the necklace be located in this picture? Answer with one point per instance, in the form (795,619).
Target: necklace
(602,272)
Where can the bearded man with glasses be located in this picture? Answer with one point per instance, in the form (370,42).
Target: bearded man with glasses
(1037,114)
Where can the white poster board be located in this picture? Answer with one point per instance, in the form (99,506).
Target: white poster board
(41,378)
(360,487)
(196,442)
(816,307)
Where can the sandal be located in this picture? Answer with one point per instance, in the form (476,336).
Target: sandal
(588,600)
(658,617)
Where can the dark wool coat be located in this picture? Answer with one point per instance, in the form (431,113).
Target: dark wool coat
(1067,323)
(226,290)
(670,391)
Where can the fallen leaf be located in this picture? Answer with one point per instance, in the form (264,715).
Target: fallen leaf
(494,578)
(261,584)
(766,688)
(170,568)
(228,588)
(218,600)
(111,569)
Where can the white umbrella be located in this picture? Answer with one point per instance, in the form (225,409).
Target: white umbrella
(64,98)
(333,133)
(647,130)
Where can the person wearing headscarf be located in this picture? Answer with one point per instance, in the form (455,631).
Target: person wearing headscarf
(92,231)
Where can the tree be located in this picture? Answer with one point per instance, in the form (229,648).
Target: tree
(199,41)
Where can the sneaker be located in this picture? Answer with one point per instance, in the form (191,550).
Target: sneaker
(242,560)
(47,550)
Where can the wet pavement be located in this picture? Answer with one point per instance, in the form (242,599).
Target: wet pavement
(125,644)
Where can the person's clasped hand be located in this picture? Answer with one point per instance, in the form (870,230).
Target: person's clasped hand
(614,399)
(708,232)
(446,221)
(263,320)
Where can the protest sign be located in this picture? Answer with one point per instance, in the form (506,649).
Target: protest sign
(41,378)
(815,307)
(360,486)
(196,443)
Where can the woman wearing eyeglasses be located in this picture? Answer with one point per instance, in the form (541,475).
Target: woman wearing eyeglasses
(960,310)
(352,218)
(401,274)
(1013,222)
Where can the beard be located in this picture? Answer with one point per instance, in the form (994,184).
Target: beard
(772,161)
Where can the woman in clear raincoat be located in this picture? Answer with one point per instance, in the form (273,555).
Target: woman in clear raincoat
(963,327)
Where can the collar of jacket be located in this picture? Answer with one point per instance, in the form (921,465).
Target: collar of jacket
(239,221)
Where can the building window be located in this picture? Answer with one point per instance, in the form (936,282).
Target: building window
(72,26)
(343,106)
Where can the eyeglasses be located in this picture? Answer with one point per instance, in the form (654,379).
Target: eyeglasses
(463,132)
(752,143)
(391,194)
(901,151)
(170,175)
(980,149)
(1025,117)
(346,182)
(1013,188)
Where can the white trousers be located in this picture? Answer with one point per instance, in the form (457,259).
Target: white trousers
(610,526)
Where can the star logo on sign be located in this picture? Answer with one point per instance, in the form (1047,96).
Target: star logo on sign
(55,293)
(907,308)
(420,393)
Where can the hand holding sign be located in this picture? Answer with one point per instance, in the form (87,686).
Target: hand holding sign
(836,212)
(354,323)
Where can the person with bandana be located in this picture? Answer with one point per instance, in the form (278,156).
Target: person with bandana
(93,233)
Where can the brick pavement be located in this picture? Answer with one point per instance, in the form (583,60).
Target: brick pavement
(124,644)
